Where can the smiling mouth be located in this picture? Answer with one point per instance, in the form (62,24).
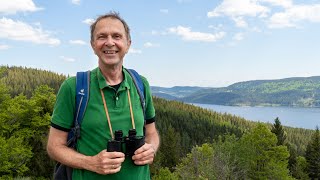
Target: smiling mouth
(110,52)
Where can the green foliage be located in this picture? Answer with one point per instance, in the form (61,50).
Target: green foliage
(24,125)
(261,156)
(44,97)
(278,130)
(165,174)
(22,178)
(171,145)
(300,168)
(24,80)
(4,93)
(197,164)
(313,156)
(3,70)
(292,160)
(255,155)
(298,138)
(14,156)
(226,160)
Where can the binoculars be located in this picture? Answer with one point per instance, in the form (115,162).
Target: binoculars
(132,142)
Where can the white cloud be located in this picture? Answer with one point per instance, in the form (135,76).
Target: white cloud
(20,31)
(164,11)
(4,47)
(68,59)
(235,8)
(14,6)
(282,3)
(77,2)
(88,21)
(240,22)
(216,27)
(149,44)
(292,16)
(280,20)
(187,34)
(288,15)
(77,42)
(238,36)
(135,51)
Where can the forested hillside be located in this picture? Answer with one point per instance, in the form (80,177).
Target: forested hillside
(25,80)
(174,93)
(302,92)
(195,143)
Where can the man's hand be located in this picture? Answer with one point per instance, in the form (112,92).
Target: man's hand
(144,155)
(107,162)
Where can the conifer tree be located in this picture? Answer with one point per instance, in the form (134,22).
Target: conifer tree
(226,158)
(300,171)
(165,174)
(293,166)
(4,93)
(261,156)
(278,130)
(313,156)
(198,164)
(170,148)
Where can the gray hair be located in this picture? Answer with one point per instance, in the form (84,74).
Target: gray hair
(112,15)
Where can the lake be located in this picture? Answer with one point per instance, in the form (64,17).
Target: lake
(307,118)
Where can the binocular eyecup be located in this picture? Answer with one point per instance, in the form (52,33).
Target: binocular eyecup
(132,142)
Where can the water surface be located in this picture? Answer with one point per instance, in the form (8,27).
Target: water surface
(307,118)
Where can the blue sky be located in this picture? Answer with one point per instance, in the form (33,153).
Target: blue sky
(174,42)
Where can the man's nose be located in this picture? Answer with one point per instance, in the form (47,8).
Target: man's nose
(109,41)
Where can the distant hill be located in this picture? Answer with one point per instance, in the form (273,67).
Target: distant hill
(298,91)
(176,92)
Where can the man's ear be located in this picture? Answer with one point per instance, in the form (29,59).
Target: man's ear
(129,44)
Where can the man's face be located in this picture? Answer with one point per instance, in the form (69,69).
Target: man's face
(110,42)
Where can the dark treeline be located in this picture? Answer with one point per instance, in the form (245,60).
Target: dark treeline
(195,143)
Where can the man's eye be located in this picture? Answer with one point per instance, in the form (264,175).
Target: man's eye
(117,36)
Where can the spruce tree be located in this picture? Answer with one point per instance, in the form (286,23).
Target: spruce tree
(278,130)
(313,156)
(261,157)
(170,148)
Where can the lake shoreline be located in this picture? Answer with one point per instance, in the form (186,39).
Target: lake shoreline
(260,105)
(296,117)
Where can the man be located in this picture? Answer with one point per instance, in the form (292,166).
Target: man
(110,41)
